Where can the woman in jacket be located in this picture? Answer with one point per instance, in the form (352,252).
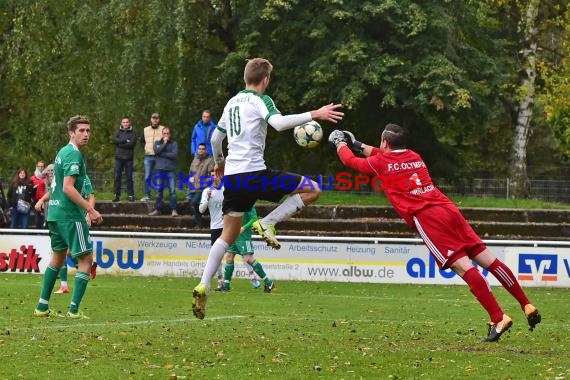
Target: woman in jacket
(20,198)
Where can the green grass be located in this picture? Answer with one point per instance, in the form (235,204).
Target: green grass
(142,327)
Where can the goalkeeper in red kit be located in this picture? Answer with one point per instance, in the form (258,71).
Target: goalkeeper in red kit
(449,237)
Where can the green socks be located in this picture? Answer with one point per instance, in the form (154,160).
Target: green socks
(257,268)
(228,273)
(63,273)
(79,287)
(50,276)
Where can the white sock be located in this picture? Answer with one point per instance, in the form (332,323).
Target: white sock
(215,257)
(285,210)
(64,284)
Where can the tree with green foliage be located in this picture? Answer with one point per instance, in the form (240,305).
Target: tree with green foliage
(448,70)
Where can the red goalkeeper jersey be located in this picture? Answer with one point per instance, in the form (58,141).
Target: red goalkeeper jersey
(404,176)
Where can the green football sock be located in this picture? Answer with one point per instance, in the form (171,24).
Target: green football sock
(79,288)
(50,276)
(257,268)
(63,273)
(228,273)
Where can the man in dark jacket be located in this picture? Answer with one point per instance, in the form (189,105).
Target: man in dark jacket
(125,140)
(166,152)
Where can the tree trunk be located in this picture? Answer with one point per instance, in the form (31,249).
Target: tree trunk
(519,176)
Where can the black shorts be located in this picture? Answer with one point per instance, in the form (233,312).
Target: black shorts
(242,190)
(215,234)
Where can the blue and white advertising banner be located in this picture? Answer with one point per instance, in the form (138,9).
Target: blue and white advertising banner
(340,259)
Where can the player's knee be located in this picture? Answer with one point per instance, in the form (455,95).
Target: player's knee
(312,195)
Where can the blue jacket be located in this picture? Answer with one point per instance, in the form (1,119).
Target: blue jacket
(165,155)
(202,134)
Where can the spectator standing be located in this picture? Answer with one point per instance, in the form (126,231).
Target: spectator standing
(202,133)
(166,152)
(39,182)
(201,166)
(21,196)
(125,140)
(41,205)
(151,134)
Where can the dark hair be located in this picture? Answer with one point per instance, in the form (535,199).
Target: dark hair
(395,135)
(76,120)
(16,179)
(202,144)
(255,70)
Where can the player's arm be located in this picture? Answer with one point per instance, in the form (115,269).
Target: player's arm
(217,137)
(204,200)
(328,113)
(41,202)
(71,192)
(357,146)
(282,123)
(338,139)
(91,201)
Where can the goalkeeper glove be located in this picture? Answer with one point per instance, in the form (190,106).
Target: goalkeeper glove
(354,145)
(336,138)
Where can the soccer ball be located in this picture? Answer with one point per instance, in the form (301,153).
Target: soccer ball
(308,135)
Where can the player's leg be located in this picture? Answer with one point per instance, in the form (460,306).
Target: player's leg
(301,191)
(268,283)
(220,276)
(59,251)
(214,235)
(304,193)
(506,277)
(81,249)
(442,233)
(63,287)
(232,225)
(229,269)
(252,276)
(50,276)
(500,322)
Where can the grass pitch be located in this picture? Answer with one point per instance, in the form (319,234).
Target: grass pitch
(142,327)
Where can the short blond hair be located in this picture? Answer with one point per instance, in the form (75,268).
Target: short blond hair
(255,70)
